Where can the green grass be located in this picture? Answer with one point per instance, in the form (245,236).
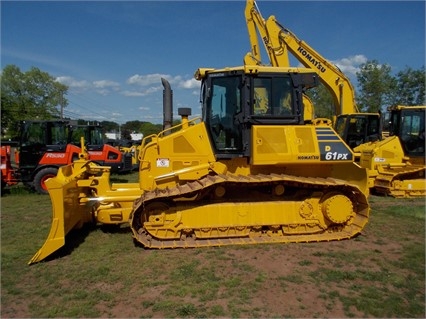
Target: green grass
(378,274)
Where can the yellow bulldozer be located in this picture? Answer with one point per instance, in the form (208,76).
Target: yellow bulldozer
(248,171)
(396,164)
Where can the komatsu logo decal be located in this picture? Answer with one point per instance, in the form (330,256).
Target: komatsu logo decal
(308,157)
(312,60)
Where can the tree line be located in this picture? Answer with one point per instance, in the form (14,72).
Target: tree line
(377,89)
(35,94)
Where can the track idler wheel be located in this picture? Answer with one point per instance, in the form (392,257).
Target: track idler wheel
(335,207)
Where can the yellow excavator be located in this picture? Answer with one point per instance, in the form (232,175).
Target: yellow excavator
(393,169)
(249,171)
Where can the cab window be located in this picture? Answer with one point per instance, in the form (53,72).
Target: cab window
(225,103)
(272,97)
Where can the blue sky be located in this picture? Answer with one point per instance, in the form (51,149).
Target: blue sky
(112,54)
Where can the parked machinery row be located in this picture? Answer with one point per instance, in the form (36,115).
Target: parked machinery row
(44,146)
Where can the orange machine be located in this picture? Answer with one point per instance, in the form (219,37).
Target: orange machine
(43,147)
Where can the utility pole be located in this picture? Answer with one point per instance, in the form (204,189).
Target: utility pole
(62,105)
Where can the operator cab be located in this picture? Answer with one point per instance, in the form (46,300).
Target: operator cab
(92,134)
(408,123)
(234,100)
(39,137)
(357,129)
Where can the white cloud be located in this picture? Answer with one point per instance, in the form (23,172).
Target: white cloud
(154,80)
(73,83)
(350,65)
(147,79)
(105,84)
(141,92)
(104,87)
(136,86)
(132,93)
(151,90)
(151,83)
(190,84)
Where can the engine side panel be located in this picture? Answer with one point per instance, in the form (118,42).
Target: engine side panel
(275,145)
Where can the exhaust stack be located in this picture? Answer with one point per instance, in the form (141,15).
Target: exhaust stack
(167,105)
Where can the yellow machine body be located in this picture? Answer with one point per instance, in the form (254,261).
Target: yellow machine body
(134,151)
(396,164)
(202,202)
(214,181)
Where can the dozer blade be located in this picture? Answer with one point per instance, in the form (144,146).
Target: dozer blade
(67,212)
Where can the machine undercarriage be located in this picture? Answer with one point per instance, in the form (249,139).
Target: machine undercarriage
(230,209)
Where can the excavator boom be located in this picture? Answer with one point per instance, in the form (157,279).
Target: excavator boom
(279,41)
(278,56)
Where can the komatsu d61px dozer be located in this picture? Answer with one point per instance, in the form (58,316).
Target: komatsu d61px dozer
(249,171)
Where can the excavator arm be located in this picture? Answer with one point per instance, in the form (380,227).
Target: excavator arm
(256,24)
(278,41)
(330,75)
(337,83)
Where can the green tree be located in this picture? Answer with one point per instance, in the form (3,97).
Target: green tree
(31,95)
(376,86)
(148,128)
(132,126)
(109,126)
(322,101)
(410,87)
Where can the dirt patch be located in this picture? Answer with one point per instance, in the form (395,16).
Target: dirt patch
(376,274)
(282,281)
